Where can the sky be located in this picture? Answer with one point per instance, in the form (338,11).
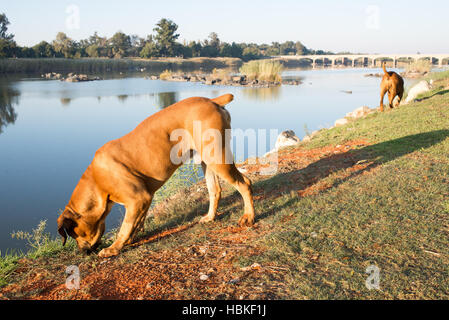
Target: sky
(394,26)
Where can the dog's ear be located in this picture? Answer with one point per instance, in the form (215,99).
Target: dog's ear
(66,222)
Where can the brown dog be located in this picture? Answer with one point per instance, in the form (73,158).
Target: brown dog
(130,169)
(393,84)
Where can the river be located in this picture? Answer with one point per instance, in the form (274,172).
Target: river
(50,130)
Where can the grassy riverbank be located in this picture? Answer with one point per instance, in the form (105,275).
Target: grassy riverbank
(372,192)
(99,65)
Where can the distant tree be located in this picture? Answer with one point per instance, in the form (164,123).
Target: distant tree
(97,46)
(231,50)
(8,47)
(287,48)
(301,49)
(120,44)
(149,50)
(195,48)
(250,53)
(64,46)
(26,52)
(166,37)
(4,22)
(43,50)
(214,41)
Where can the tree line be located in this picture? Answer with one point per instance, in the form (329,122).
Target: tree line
(162,43)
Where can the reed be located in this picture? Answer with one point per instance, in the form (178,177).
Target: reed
(102,65)
(263,70)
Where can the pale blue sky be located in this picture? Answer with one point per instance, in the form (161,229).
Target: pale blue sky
(397,26)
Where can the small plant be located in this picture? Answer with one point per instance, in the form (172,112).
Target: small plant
(262,70)
(39,241)
(167,74)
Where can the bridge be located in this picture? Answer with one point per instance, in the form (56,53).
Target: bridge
(369,60)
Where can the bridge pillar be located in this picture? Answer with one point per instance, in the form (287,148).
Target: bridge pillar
(373,64)
(440,62)
(353,62)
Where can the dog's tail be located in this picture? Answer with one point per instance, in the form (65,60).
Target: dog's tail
(223,100)
(383,66)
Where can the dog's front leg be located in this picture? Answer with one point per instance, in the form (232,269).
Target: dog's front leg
(135,213)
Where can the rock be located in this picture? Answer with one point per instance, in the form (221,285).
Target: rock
(78,78)
(306,139)
(377,75)
(347,91)
(359,112)
(154,78)
(420,88)
(238,79)
(341,122)
(204,277)
(286,139)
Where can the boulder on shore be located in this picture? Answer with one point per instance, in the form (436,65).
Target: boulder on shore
(420,88)
(341,122)
(286,139)
(359,112)
(79,77)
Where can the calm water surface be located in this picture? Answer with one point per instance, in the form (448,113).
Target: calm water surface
(50,130)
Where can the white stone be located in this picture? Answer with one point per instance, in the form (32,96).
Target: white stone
(286,139)
(359,112)
(421,87)
(341,122)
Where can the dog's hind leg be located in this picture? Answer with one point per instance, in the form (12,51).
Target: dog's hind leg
(232,175)
(391,96)
(382,94)
(214,188)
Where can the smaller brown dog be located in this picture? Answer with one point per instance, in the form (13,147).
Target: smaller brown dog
(394,84)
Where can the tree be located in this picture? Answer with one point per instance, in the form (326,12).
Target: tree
(8,47)
(4,22)
(63,45)
(166,37)
(214,41)
(97,46)
(120,44)
(300,49)
(251,53)
(43,50)
(195,48)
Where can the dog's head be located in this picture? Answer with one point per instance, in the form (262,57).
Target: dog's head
(86,233)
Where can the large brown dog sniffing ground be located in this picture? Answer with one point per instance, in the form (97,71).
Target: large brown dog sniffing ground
(130,169)
(394,85)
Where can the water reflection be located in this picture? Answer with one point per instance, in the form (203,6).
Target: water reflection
(165,99)
(65,101)
(8,98)
(122,98)
(263,94)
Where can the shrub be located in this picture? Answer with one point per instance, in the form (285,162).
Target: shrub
(262,70)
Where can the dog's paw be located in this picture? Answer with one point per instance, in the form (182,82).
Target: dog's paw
(108,252)
(246,221)
(206,219)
